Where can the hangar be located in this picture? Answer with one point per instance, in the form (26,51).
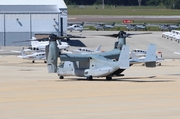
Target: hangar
(22,19)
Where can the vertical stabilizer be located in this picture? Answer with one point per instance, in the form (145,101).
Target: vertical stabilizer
(113,24)
(150,58)
(98,48)
(151,53)
(124,58)
(52,55)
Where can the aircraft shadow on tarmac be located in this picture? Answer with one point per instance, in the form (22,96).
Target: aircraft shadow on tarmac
(75,42)
(174,74)
(128,79)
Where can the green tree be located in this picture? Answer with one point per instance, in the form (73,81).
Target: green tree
(153,2)
(173,4)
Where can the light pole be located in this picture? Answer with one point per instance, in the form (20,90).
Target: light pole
(102,4)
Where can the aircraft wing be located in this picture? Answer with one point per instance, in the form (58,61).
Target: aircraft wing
(113,54)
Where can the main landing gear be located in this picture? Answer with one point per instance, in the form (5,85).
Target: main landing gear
(108,78)
(61,77)
(89,77)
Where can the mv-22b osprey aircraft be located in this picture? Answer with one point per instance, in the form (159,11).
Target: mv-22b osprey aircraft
(105,64)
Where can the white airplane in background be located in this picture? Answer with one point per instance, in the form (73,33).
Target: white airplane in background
(171,34)
(33,56)
(76,27)
(84,50)
(135,27)
(40,45)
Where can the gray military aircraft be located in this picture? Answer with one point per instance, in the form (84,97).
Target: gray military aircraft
(82,65)
(102,26)
(168,27)
(135,27)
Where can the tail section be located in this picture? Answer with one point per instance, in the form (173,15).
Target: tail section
(150,58)
(124,58)
(82,24)
(113,24)
(98,48)
(151,53)
(23,52)
(22,55)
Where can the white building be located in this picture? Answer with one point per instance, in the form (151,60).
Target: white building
(22,19)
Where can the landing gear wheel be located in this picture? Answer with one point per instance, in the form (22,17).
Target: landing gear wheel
(33,61)
(89,78)
(108,78)
(61,77)
(45,61)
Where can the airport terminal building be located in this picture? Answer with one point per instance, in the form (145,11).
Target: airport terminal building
(22,19)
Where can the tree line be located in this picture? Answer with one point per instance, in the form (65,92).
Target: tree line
(173,4)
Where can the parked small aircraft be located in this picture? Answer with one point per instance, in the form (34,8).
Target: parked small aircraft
(135,27)
(33,56)
(39,45)
(173,34)
(76,27)
(102,26)
(168,27)
(83,50)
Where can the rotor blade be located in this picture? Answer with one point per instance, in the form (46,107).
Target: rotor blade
(125,35)
(138,33)
(42,39)
(51,37)
(112,35)
(69,36)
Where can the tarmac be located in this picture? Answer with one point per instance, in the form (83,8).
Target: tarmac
(28,91)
